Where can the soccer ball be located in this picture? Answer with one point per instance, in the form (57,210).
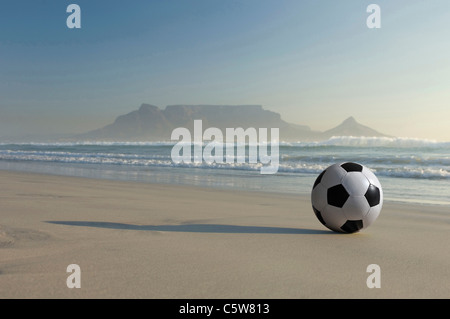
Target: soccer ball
(347,197)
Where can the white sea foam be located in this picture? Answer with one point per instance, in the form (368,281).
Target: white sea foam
(305,167)
(93,143)
(394,157)
(358,141)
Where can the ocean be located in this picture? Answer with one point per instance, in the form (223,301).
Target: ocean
(410,170)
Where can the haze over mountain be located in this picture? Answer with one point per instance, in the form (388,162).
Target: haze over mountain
(150,123)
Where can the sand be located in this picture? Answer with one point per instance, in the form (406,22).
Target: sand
(136,240)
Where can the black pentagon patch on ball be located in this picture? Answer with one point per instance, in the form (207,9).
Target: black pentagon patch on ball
(373,195)
(318,215)
(352,226)
(352,167)
(337,195)
(319,179)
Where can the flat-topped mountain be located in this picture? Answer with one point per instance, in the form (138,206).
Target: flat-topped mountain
(151,123)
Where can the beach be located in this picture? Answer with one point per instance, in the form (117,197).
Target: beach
(144,240)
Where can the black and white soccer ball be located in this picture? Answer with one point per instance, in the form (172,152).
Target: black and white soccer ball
(347,197)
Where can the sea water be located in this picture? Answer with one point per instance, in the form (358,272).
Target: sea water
(410,170)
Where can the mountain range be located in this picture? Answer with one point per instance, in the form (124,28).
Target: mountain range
(150,123)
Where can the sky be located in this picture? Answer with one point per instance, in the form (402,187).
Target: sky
(315,62)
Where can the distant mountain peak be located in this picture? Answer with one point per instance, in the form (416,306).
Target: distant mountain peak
(349,120)
(148,107)
(350,127)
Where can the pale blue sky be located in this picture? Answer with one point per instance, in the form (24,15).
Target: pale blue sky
(315,62)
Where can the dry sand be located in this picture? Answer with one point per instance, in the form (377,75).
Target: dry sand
(134,240)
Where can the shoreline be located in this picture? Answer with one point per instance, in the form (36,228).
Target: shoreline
(222,188)
(141,240)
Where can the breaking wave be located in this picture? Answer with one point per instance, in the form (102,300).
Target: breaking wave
(357,141)
(349,141)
